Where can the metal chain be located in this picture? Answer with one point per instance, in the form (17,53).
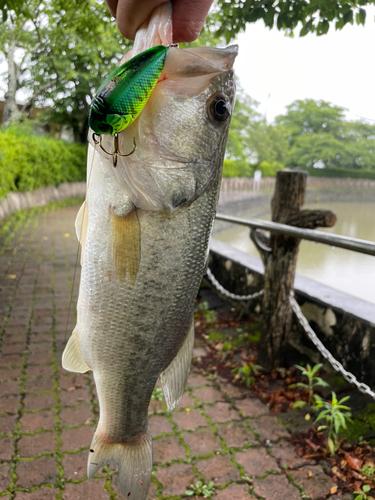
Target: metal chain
(230,295)
(349,377)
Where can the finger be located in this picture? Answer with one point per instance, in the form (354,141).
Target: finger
(188,19)
(112,6)
(131,14)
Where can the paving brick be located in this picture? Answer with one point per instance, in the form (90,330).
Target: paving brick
(39,494)
(202,442)
(6,373)
(39,384)
(189,419)
(221,412)
(175,479)
(39,401)
(29,446)
(40,358)
(150,495)
(92,489)
(218,469)
(5,479)
(155,406)
(285,453)
(234,492)
(269,428)
(68,380)
(13,348)
(7,424)
(76,416)
(236,434)
(72,397)
(315,483)
(11,359)
(75,466)
(35,472)
(208,394)
(196,380)
(39,371)
(273,487)
(32,422)
(6,448)
(159,424)
(251,407)
(168,448)
(9,404)
(186,401)
(73,439)
(232,391)
(256,462)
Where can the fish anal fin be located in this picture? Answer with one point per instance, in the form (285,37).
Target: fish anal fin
(126,243)
(134,461)
(72,359)
(81,226)
(174,377)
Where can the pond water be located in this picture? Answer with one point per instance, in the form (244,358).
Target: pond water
(347,271)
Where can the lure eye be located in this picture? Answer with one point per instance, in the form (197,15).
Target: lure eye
(104,127)
(218,108)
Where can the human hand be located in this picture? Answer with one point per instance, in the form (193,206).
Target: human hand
(188,16)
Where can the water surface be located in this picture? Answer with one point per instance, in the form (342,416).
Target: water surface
(347,271)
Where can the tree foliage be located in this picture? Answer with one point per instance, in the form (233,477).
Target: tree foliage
(319,135)
(65,49)
(316,16)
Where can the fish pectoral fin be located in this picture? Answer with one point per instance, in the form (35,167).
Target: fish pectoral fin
(174,377)
(134,463)
(81,226)
(72,359)
(126,243)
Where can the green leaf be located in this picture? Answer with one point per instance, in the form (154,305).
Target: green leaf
(361,17)
(306,27)
(331,446)
(366,488)
(348,17)
(298,404)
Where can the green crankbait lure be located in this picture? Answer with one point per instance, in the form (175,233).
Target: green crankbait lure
(125,92)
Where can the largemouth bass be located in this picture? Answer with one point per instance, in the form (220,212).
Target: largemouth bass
(145,230)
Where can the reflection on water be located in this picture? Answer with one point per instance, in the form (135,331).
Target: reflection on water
(348,271)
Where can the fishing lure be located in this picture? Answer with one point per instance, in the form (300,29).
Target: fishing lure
(123,94)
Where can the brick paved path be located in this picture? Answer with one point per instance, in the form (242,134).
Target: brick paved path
(48,416)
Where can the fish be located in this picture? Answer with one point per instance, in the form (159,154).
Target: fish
(144,230)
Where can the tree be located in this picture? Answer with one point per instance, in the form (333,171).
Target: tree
(67,48)
(319,135)
(316,16)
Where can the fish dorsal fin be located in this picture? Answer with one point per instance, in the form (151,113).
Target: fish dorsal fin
(72,359)
(81,226)
(126,242)
(174,377)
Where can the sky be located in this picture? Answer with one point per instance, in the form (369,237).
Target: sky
(337,67)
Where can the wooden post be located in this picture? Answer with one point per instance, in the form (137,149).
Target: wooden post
(279,255)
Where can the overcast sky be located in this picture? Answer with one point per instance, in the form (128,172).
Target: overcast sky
(338,67)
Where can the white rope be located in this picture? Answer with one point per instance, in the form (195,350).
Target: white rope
(231,295)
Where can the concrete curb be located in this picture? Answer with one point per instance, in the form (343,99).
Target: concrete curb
(40,197)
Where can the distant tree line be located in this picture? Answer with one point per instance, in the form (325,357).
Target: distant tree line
(313,135)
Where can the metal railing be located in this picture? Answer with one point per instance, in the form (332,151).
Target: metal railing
(333,240)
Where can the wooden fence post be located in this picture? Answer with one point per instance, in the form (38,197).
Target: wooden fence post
(279,255)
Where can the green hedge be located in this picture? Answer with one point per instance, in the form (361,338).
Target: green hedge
(29,162)
(340,172)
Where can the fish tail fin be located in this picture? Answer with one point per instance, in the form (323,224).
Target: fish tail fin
(134,461)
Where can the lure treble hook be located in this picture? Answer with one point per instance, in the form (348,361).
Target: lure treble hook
(116,153)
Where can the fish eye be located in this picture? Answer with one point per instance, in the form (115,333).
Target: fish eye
(218,108)
(104,127)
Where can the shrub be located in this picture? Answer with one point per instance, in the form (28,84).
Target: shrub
(269,169)
(29,162)
(237,168)
(340,172)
